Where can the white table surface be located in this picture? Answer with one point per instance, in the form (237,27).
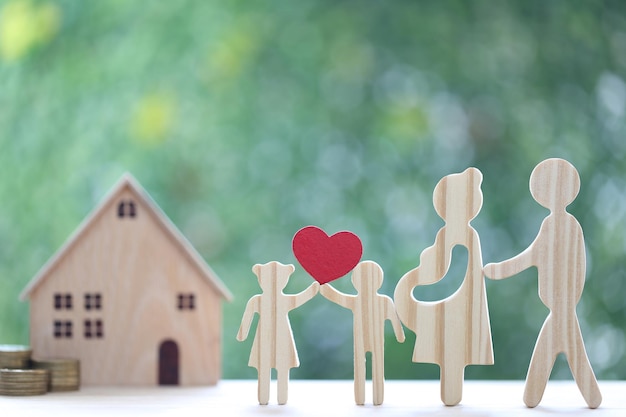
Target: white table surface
(317,399)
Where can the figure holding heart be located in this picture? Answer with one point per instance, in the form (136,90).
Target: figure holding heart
(327,258)
(273,345)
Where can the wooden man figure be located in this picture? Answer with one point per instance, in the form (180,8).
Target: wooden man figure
(558,252)
(453,332)
(370,311)
(273,345)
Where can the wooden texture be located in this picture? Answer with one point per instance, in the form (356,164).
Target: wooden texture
(326,258)
(370,311)
(273,345)
(558,252)
(317,398)
(135,267)
(453,332)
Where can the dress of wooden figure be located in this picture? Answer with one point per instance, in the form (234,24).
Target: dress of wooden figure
(558,252)
(273,345)
(453,332)
(370,310)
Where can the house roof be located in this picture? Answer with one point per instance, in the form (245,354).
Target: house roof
(129,182)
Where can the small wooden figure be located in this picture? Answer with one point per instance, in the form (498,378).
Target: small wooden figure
(558,252)
(370,310)
(453,332)
(273,345)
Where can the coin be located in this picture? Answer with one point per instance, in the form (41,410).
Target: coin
(24,381)
(64,373)
(14,356)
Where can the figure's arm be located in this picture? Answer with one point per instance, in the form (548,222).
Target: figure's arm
(304,296)
(248,314)
(515,265)
(329,292)
(392,316)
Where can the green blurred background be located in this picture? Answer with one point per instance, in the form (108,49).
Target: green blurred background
(248,120)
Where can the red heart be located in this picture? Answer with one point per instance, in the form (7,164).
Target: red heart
(324,257)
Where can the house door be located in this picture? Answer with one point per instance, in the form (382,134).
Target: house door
(168,363)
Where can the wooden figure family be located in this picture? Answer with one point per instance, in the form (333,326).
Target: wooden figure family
(453,332)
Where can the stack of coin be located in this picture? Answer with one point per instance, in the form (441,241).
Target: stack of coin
(14,356)
(23,381)
(64,373)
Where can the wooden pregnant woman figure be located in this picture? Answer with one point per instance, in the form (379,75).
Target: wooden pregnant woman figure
(453,332)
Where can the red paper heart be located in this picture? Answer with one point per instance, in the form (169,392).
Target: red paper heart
(324,257)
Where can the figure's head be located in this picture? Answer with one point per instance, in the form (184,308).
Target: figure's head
(367,274)
(554,183)
(459,189)
(273,275)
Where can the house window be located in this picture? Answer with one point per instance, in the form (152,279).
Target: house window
(126,209)
(88,333)
(62,329)
(94,329)
(93,301)
(132,211)
(99,329)
(62,301)
(186,301)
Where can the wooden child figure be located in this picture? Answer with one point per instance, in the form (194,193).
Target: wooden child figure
(370,311)
(558,252)
(273,345)
(453,332)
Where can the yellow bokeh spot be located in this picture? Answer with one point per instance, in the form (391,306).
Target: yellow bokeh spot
(405,125)
(24,26)
(235,50)
(230,56)
(153,118)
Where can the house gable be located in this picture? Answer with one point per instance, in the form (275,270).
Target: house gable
(127,184)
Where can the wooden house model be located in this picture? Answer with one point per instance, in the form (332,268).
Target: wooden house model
(130,298)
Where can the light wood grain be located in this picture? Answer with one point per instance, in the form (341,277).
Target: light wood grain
(453,332)
(273,345)
(315,399)
(139,266)
(558,252)
(370,310)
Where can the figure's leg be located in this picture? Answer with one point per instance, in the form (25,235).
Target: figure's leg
(282,379)
(582,371)
(378,377)
(540,367)
(359,377)
(264,384)
(452,384)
